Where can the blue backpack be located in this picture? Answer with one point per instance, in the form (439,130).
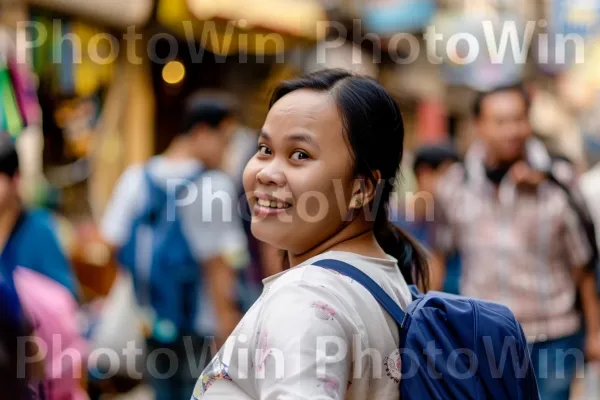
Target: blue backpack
(454,347)
(165,273)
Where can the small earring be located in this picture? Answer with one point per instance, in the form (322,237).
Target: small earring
(358,202)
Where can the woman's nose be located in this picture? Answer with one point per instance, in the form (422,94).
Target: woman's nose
(270,175)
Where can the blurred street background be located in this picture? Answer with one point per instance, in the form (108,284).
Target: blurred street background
(89,88)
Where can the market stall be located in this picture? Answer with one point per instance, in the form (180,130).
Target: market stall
(232,26)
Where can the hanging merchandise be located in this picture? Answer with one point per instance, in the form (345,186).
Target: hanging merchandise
(10,119)
(25,92)
(390,17)
(19,107)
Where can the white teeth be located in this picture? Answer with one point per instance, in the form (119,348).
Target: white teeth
(272,203)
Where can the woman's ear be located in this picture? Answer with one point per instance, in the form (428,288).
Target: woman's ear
(364,190)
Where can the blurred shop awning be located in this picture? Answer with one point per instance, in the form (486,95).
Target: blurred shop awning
(348,56)
(392,16)
(260,27)
(115,13)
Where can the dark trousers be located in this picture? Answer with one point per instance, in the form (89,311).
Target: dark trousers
(556,363)
(173,369)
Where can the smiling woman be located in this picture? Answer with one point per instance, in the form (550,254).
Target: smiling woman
(336,138)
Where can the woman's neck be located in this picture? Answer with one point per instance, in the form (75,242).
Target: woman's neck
(358,237)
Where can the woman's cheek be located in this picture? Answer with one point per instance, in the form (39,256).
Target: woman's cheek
(249,176)
(314,202)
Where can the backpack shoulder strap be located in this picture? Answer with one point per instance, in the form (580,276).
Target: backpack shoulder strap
(151,182)
(197,174)
(149,179)
(380,295)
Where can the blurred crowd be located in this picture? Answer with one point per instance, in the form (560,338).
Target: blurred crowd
(126,244)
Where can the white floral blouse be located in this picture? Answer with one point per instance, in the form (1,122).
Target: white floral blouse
(313,334)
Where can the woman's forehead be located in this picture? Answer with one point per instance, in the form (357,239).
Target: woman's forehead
(303,108)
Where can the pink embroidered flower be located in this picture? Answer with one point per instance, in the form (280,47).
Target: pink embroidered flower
(393,366)
(330,385)
(263,347)
(323,311)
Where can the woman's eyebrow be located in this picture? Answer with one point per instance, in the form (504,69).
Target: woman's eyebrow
(294,137)
(301,137)
(264,135)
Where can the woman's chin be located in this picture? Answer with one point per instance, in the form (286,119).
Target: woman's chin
(271,232)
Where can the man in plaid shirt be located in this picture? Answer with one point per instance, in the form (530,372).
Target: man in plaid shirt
(521,242)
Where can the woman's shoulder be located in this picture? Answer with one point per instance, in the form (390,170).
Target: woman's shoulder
(309,289)
(308,278)
(316,281)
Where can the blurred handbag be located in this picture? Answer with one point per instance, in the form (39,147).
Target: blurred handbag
(53,311)
(113,324)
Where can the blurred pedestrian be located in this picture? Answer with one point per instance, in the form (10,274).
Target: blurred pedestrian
(33,264)
(520,239)
(416,215)
(174,224)
(27,237)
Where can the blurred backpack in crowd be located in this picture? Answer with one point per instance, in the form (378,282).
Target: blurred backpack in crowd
(165,273)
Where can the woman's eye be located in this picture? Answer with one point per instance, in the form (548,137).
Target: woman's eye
(299,155)
(264,150)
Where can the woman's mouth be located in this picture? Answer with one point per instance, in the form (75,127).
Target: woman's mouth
(272,203)
(266,207)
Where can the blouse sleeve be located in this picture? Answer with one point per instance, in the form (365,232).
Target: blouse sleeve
(303,344)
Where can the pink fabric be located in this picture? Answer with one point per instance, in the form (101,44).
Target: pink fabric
(52,310)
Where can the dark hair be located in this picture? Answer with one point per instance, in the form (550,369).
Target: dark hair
(374,131)
(434,156)
(9,159)
(481,96)
(208,108)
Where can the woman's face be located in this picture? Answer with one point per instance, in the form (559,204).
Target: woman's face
(299,183)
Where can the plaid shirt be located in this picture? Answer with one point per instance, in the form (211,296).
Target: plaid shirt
(518,246)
